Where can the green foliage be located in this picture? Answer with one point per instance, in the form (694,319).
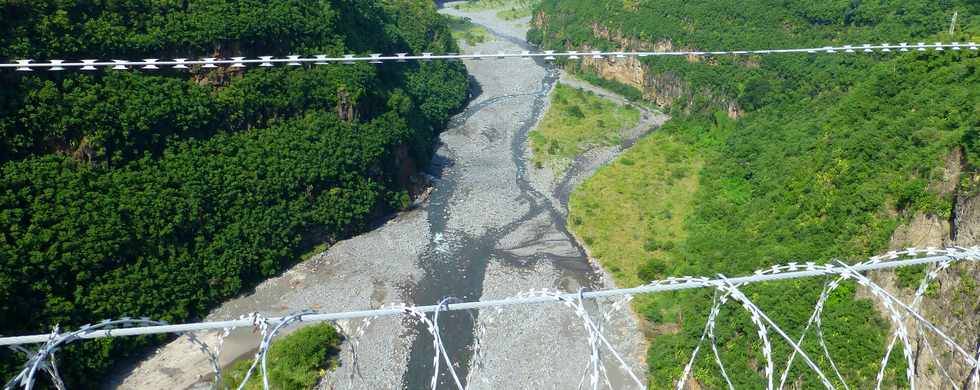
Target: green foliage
(575,121)
(621,89)
(830,154)
(637,222)
(507,9)
(296,361)
(160,195)
(464,29)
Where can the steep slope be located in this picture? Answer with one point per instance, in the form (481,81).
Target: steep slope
(162,193)
(802,157)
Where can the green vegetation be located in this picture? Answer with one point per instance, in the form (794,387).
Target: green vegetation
(508,9)
(296,361)
(829,155)
(161,194)
(633,210)
(575,121)
(464,29)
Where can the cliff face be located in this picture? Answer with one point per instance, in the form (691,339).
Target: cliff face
(663,88)
(953,300)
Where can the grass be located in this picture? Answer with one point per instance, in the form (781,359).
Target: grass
(631,213)
(576,121)
(296,361)
(514,13)
(315,250)
(508,9)
(463,29)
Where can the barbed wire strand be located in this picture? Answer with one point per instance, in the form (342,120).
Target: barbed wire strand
(27,65)
(815,319)
(783,272)
(716,309)
(916,300)
(729,288)
(887,300)
(258,323)
(442,348)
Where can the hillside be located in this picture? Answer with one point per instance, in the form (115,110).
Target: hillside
(770,159)
(160,194)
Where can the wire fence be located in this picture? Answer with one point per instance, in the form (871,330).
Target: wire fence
(27,65)
(904,317)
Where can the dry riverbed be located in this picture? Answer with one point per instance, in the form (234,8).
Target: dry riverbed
(492,228)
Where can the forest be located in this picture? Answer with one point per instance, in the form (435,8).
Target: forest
(796,158)
(163,193)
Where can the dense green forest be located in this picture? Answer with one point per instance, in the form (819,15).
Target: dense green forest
(160,194)
(827,155)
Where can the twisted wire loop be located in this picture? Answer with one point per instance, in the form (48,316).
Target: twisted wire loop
(758,318)
(916,300)
(352,339)
(27,65)
(258,324)
(713,315)
(595,369)
(844,272)
(51,368)
(444,305)
(215,356)
(815,321)
(889,300)
(437,344)
(44,357)
(487,317)
(595,337)
(476,361)
(725,289)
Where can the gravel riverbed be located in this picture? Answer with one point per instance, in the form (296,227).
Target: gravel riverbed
(492,228)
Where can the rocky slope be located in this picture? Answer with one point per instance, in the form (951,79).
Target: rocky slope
(953,301)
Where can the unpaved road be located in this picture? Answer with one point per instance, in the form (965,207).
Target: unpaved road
(492,228)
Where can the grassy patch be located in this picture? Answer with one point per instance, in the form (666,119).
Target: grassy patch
(463,29)
(296,361)
(315,250)
(633,210)
(575,121)
(508,9)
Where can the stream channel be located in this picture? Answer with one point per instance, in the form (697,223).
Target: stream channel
(492,228)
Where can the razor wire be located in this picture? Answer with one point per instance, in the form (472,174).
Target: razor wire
(44,359)
(27,65)
(726,289)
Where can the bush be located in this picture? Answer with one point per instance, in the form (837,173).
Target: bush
(652,244)
(574,111)
(296,361)
(652,270)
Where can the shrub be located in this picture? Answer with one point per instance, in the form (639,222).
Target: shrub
(574,111)
(296,361)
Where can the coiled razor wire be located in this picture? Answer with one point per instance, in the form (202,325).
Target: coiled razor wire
(27,65)
(44,357)
(759,318)
(917,298)
(725,289)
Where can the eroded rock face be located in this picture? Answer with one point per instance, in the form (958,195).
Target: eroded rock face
(661,88)
(953,301)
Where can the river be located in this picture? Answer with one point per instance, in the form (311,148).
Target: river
(491,228)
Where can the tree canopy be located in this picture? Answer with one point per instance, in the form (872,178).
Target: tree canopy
(160,194)
(829,153)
